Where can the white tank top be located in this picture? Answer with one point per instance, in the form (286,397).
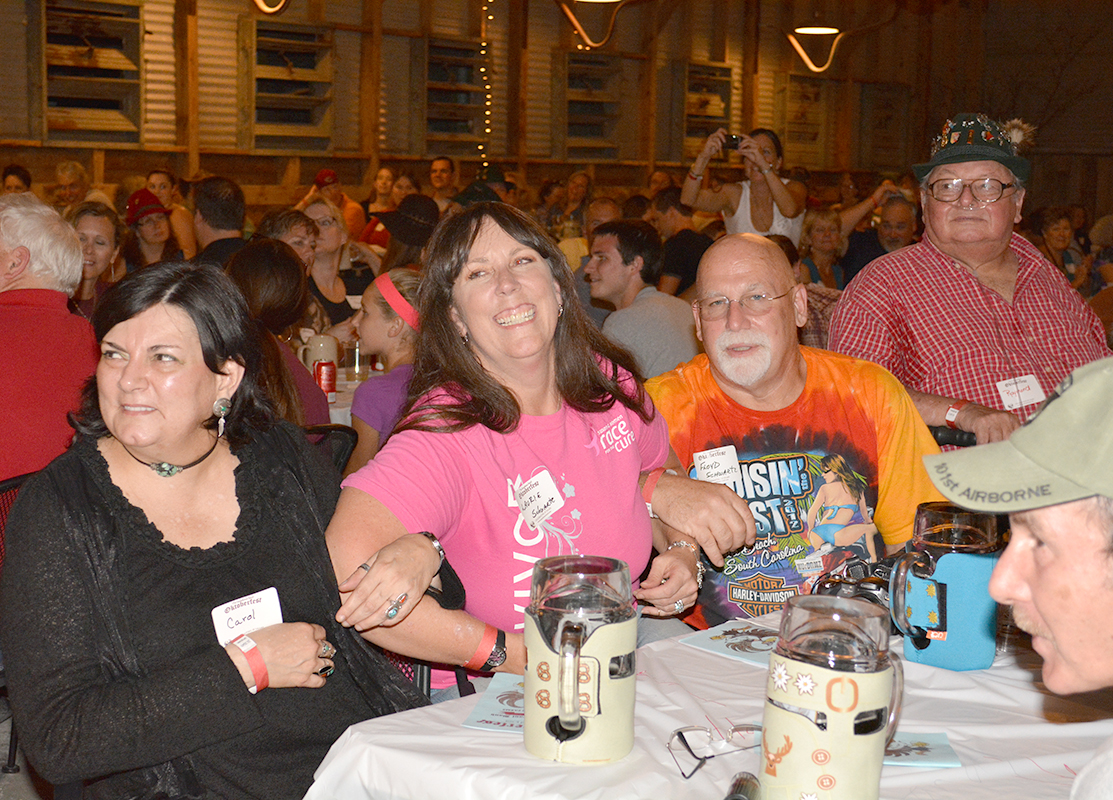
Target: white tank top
(740,221)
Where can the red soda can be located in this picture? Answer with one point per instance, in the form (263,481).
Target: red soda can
(324,372)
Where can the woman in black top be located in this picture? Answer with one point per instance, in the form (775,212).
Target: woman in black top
(182,519)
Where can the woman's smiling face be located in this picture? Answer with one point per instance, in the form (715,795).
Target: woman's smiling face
(506,301)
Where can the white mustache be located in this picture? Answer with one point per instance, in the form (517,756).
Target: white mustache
(728,339)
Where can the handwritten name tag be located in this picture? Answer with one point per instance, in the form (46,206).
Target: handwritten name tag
(719,465)
(246,614)
(538,499)
(1019,392)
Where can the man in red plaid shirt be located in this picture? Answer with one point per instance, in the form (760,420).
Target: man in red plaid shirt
(976,324)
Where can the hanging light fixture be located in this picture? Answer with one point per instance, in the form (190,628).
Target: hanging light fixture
(271,6)
(817,28)
(566,7)
(485,70)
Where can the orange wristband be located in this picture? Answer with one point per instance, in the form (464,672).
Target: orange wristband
(952,412)
(651,484)
(486,645)
(254,661)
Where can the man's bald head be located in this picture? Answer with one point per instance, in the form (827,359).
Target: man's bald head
(736,250)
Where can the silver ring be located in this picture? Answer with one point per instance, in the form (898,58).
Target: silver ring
(364,567)
(324,672)
(396,606)
(679,606)
(326,650)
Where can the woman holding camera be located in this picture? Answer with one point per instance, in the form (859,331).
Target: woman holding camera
(761,204)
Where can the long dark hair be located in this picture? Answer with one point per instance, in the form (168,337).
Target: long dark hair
(133,254)
(588,364)
(272,279)
(225,330)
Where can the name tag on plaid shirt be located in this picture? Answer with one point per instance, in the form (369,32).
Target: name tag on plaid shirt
(1019,392)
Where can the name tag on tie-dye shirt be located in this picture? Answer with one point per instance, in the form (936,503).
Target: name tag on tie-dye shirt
(719,465)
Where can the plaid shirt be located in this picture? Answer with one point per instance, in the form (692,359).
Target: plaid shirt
(931,323)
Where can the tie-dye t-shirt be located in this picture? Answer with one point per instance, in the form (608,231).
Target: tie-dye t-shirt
(810,473)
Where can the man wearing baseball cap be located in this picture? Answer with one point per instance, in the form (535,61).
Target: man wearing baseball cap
(1054,477)
(973,320)
(327,184)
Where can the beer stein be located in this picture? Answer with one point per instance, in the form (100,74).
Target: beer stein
(939,592)
(319,347)
(831,701)
(581,631)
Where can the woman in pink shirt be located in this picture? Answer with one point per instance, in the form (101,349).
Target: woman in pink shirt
(507,454)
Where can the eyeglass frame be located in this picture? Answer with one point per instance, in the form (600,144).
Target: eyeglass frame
(696,304)
(678,734)
(963,186)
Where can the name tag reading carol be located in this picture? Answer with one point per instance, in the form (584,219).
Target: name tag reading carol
(538,499)
(246,614)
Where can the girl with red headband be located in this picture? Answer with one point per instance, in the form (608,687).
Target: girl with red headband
(387,325)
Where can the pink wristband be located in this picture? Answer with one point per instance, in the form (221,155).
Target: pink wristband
(254,661)
(486,645)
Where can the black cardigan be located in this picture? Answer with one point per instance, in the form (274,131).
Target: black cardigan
(111,671)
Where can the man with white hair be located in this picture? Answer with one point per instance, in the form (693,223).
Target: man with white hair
(1054,478)
(72,186)
(973,320)
(825,449)
(49,351)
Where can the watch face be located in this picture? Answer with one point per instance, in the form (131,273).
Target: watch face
(498,656)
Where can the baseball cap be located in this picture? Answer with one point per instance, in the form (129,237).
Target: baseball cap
(1063,453)
(326,177)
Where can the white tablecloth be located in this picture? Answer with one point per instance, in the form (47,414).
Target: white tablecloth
(340,412)
(1015,740)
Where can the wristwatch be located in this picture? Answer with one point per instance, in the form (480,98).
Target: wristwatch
(435,542)
(498,653)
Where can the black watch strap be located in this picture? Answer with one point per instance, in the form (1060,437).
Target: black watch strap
(498,653)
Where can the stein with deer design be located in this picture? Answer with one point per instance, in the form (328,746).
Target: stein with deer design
(831,702)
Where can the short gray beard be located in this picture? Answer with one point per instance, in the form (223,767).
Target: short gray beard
(743,372)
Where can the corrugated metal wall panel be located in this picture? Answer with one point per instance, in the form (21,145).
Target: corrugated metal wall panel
(450,18)
(345,90)
(396,114)
(15,121)
(701,24)
(402,15)
(218,64)
(160,95)
(544,36)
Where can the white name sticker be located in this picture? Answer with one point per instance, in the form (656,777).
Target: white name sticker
(246,615)
(719,465)
(1019,392)
(538,499)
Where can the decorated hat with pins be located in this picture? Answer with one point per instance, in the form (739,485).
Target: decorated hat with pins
(976,137)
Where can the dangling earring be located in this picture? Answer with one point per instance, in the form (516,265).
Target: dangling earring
(560,311)
(465,337)
(220,409)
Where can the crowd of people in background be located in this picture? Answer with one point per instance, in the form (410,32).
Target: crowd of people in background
(648,309)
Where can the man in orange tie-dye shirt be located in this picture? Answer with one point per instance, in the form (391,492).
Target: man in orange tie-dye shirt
(826,449)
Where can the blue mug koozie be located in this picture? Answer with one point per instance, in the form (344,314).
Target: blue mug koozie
(947,616)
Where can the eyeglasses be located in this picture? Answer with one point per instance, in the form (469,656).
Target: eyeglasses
(694,746)
(985,190)
(326,222)
(716,308)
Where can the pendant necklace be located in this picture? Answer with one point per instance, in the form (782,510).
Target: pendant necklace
(167,470)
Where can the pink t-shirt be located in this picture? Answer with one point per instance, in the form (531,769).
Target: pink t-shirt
(461,487)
